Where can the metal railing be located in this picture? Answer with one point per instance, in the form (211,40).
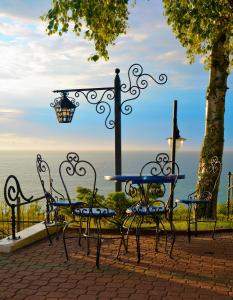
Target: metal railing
(16,216)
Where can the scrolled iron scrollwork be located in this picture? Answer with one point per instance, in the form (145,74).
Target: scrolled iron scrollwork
(94,97)
(57,101)
(160,166)
(73,165)
(131,190)
(13,192)
(214,166)
(208,178)
(46,180)
(101,97)
(137,81)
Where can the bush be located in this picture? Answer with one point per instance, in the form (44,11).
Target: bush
(180,213)
(222,209)
(119,202)
(86,194)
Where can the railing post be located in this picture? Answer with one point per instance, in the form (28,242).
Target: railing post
(173,158)
(13,221)
(229,195)
(47,211)
(18,213)
(117,87)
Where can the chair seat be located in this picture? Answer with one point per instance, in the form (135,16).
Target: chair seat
(191,201)
(94,212)
(145,210)
(66,203)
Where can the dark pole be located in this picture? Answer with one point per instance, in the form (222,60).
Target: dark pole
(228,195)
(174,132)
(117,88)
(13,222)
(18,211)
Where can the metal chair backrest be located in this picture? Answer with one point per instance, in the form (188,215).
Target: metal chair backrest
(209,176)
(161,166)
(46,180)
(72,166)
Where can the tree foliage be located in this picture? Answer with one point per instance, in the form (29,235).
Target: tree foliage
(100,21)
(198,24)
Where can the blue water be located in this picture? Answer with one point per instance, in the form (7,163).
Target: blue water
(23,165)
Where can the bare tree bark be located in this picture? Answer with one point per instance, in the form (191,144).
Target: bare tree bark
(214,123)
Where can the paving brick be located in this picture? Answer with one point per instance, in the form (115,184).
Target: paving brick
(38,272)
(87,297)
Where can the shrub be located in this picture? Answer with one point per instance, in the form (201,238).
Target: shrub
(86,194)
(119,202)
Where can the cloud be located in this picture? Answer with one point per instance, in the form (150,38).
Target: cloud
(136,36)
(14,29)
(11,141)
(6,113)
(24,10)
(172,56)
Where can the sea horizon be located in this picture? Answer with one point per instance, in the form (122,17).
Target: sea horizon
(22,164)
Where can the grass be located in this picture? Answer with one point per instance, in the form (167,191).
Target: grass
(34,211)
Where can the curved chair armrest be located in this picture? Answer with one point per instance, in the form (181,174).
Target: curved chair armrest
(58,193)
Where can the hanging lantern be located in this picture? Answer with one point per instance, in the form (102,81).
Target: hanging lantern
(64,108)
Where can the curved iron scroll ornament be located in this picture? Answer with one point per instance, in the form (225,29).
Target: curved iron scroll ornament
(101,105)
(43,170)
(161,166)
(100,97)
(73,165)
(57,100)
(138,80)
(213,168)
(13,192)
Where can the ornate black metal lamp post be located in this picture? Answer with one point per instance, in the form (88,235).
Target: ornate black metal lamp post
(175,142)
(65,105)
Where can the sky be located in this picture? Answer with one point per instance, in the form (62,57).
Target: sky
(34,64)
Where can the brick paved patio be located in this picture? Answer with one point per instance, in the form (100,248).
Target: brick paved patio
(200,270)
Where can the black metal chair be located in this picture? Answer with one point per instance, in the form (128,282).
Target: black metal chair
(55,200)
(92,213)
(199,202)
(153,204)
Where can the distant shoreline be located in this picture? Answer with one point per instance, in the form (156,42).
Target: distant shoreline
(107,151)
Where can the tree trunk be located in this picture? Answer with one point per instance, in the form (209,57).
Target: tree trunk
(214,122)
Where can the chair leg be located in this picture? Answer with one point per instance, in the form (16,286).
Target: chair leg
(165,231)
(87,235)
(173,232)
(138,231)
(98,248)
(64,239)
(157,237)
(99,241)
(80,231)
(56,220)
(48,234)
(122,241)
(128,230)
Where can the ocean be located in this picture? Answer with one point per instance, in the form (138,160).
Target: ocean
(23,166)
